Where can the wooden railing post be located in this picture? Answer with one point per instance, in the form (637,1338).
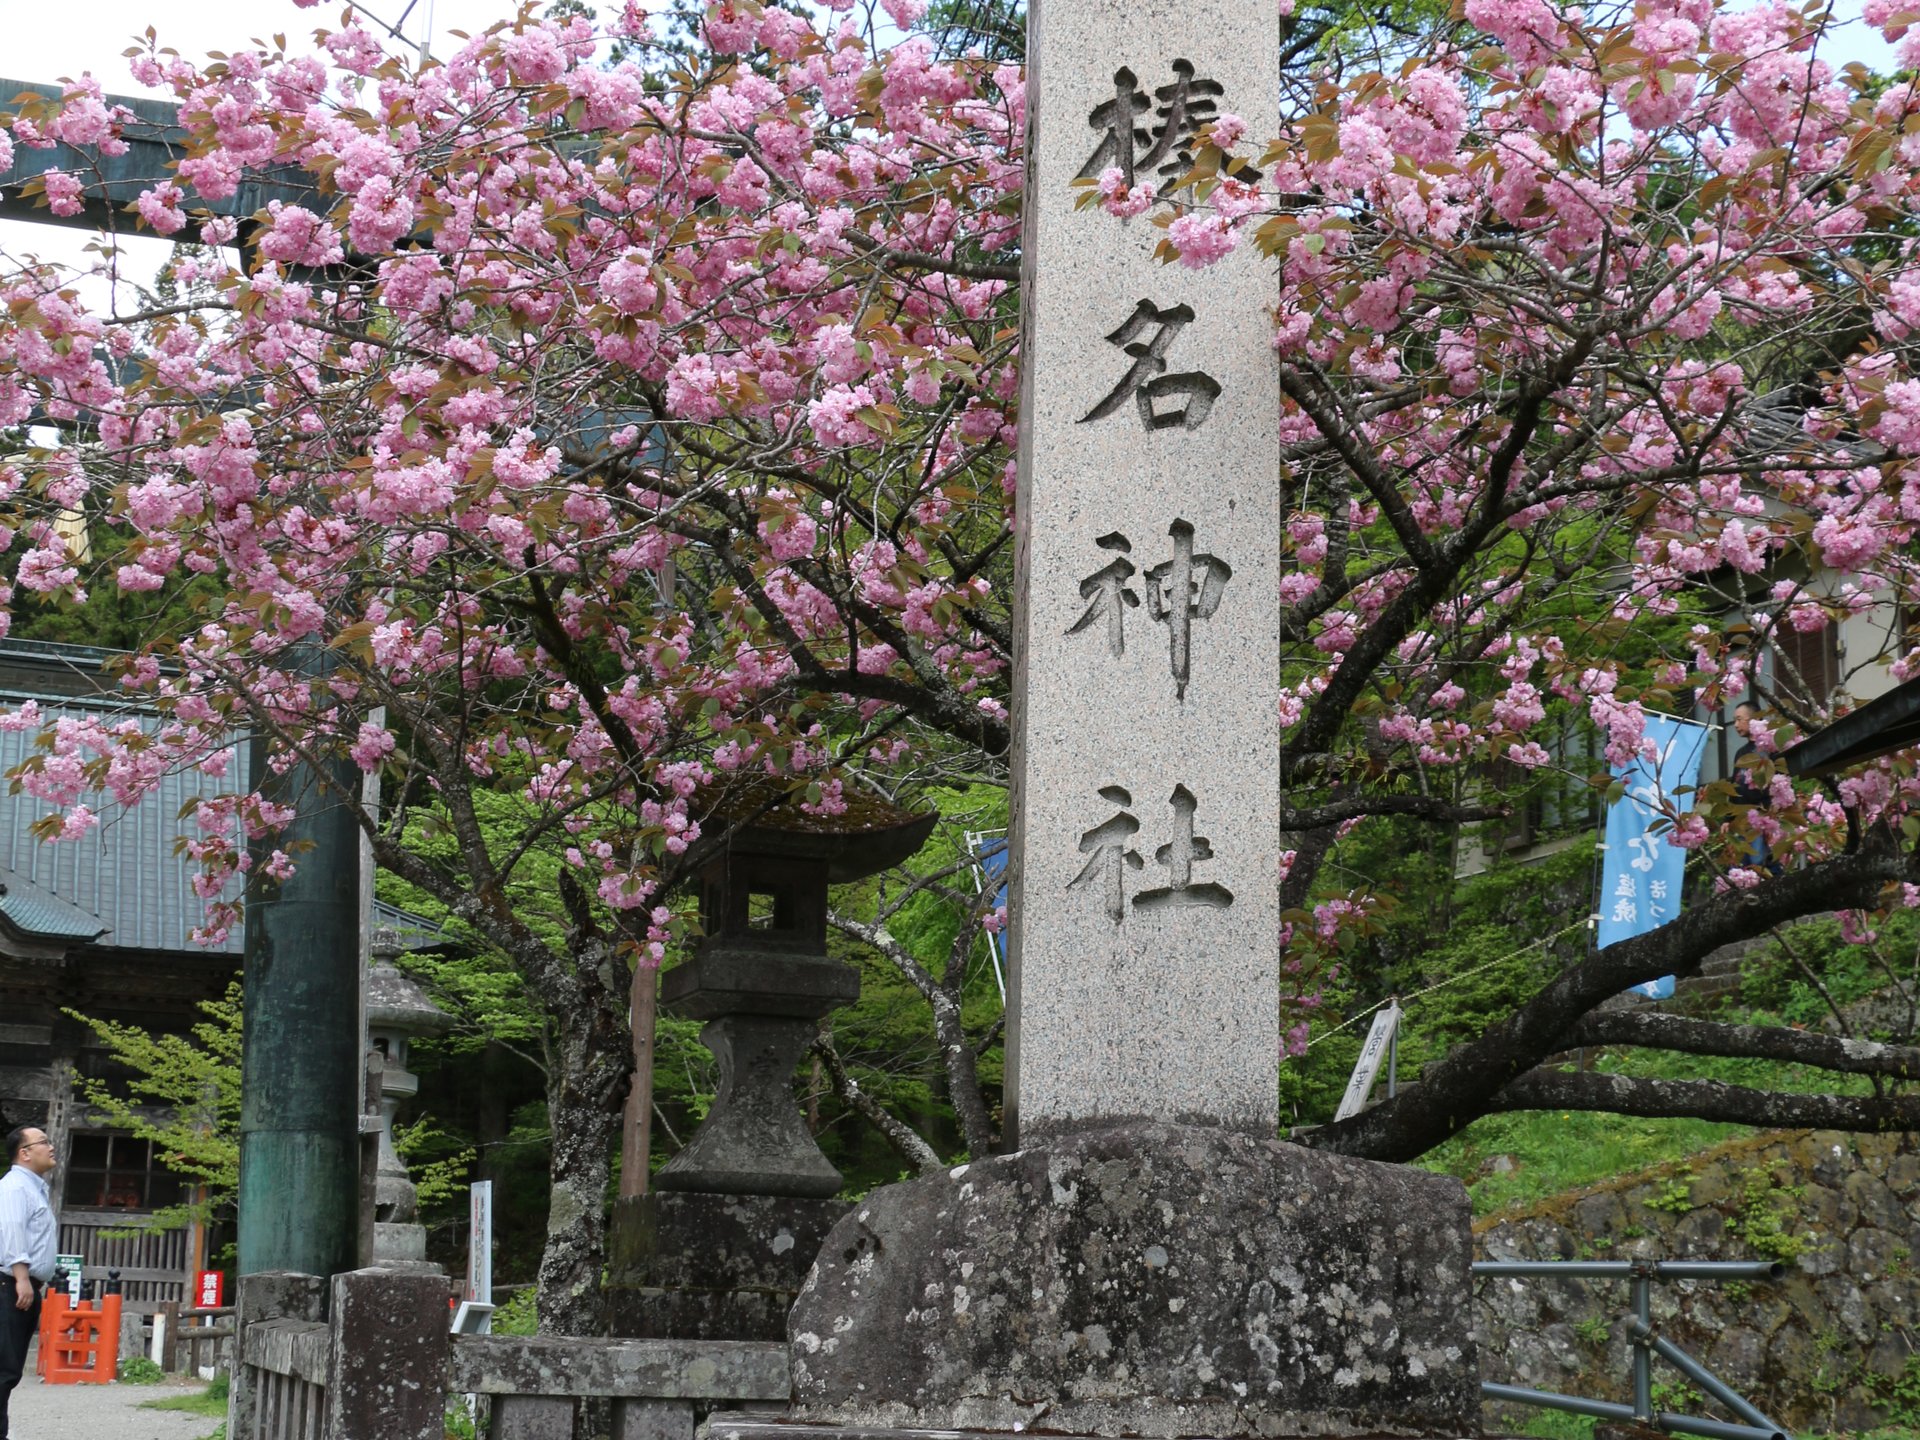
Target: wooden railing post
(387,1357)
(170,1336)
(269,1295)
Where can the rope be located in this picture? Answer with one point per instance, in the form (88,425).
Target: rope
(1579,924)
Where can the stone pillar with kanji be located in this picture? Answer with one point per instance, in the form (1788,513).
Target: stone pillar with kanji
(1152,1259)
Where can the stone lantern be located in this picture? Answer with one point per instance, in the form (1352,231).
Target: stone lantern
(397,1010)
(722,1246)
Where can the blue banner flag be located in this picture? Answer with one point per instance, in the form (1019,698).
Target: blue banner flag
(1642,876)
(989,849)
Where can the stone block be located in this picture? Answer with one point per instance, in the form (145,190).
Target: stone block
(1711,1186)
(1599,1214)
(775,1427)
(263,1298)
(1147,1279)
(652,1420)
(531,1417)
(1888,1357)
(712,1267)
(1833,1154)
(726,981)
(1846,1308)
(1895,1300)
(1857,1412)
(1874,1199)
(1831,1209)
(280,1295)
(1739,1356)
(1699,1234)
(563,1365)
(399,1244)
(1870,1253)
(387,1356)
(1826,1254)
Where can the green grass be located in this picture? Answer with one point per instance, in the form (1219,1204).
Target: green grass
(1558,1425)
(139,1370)
(1554,1151)
(211,1402)
(1554,1425)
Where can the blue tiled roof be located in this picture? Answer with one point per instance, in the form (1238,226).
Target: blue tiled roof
(123,877)
(124,871)
(38,912)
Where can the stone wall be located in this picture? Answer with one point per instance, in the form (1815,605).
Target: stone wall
(1824,1349)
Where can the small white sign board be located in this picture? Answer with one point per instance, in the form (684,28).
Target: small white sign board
(1367,1068)
(473,1318)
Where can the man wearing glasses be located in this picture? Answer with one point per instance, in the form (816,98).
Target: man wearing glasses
(28,1236)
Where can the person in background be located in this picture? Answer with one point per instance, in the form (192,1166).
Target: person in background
(28,1236)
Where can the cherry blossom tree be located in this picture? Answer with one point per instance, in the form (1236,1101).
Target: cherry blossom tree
(560,412)
(620,432)
(1596,336)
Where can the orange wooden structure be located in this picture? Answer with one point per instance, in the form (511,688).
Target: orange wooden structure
(79,1345)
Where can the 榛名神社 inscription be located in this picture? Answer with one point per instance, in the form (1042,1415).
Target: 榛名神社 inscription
(1147,383)
(1145,867)
(1108,844)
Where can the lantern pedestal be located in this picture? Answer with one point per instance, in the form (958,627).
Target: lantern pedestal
(397,1011)
(685,1266)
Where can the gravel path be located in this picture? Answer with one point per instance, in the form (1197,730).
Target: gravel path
(102,1412)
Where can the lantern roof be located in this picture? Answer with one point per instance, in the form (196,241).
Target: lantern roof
(395,1001)
(765,817)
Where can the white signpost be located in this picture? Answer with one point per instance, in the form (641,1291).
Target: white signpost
(480,1243)
(474,1315)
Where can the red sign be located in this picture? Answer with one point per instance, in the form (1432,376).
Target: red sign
(209,1289)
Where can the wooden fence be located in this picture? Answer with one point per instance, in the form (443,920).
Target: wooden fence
(381,1363)
(195,1339)
(153,1264)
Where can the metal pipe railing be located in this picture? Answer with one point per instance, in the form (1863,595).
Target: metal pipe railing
(1647,1342)
(1699,1374)
(1614,1410)
(1642,1287)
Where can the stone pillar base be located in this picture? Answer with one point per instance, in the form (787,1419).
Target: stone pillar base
(1147,1279)
(688,1266)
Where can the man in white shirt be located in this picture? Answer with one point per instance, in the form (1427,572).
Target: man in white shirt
(28,1237)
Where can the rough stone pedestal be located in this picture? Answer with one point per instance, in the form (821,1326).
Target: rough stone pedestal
(687,1266)
(1147,1279)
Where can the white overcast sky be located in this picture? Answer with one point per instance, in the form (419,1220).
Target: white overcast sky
(47,40)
